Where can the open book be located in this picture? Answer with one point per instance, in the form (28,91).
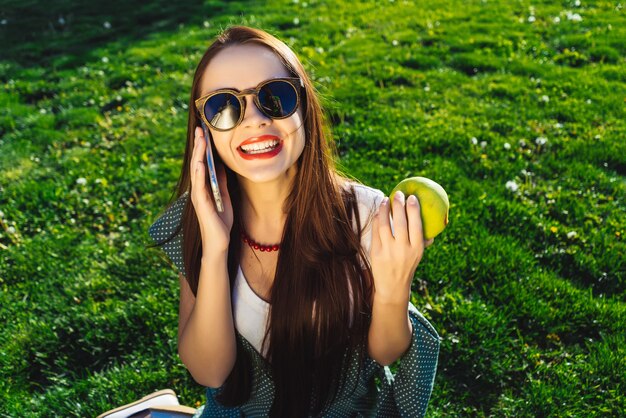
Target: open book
(160,404)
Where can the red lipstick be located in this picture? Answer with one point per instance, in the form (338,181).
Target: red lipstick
(252,154)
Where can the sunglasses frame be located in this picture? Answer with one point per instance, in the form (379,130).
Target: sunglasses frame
(201,102)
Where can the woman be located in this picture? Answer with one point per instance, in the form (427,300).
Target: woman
(294,298)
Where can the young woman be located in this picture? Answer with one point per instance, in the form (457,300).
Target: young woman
(294,298)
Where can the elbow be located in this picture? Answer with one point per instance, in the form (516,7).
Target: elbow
(386,355)
(209,382)
(204,374)
(383,360)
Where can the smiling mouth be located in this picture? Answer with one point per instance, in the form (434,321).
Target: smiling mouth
(260,147)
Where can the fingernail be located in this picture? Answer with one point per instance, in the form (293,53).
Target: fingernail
(399,196)
(385,200)
(412,200)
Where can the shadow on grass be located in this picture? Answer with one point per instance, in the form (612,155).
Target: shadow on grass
(62,33)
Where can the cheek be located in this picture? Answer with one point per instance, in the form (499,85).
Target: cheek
(219,144)
(297,124)
(300,141)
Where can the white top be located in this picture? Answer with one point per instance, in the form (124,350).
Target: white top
(251,312)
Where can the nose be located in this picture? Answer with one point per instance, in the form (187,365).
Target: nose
(253,117)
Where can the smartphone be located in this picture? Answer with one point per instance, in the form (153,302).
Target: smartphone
(212,171)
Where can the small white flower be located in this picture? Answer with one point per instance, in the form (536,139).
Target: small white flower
(597,137)
(522,143)
(531,19)
(42,111)
(588,101)
(296,21)
(558,125)
(319,50)
(394,42)
(507,145)
(82,181)
(511,186)
(474,140)
(72,221)
(61,21)
(3,22)
(571,234)
(545,98)
(107,25)
(426,88)
(1,214)
(556,19)
(105,59)
(574,17)
(11,230)
(206,24)
(541,140)
(483,144)
(577,3)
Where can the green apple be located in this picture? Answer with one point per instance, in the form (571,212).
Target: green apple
(433,200)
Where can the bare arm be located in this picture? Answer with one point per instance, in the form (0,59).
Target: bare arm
(206,332)
(390,331)
(395,256)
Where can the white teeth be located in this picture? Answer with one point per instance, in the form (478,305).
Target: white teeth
(259,147)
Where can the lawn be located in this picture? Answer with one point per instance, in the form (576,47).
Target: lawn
(516,108)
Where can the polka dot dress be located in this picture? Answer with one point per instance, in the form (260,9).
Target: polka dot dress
(165,226)
(405,394)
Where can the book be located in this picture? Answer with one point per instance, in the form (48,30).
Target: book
(160,404)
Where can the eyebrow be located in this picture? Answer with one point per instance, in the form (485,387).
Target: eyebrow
(236,89)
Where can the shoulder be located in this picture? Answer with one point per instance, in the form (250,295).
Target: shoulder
(166,231)
(368,198)
(169,220)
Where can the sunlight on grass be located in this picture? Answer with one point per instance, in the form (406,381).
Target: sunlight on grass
(517,109)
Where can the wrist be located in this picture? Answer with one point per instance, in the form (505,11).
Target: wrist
(214,257)
(392,300)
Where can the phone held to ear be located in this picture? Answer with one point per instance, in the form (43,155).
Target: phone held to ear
(212,171)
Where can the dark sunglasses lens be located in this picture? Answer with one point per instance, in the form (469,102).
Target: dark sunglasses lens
(222,111)
(278,99)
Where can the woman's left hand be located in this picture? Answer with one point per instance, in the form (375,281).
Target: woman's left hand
(395,256)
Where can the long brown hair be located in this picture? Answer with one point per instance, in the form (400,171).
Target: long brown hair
(320,300)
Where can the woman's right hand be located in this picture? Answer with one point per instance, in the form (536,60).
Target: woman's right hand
(214,226)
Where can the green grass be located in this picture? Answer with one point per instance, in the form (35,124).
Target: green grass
(527,287)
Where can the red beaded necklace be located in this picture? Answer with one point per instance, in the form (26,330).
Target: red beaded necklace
(255,245)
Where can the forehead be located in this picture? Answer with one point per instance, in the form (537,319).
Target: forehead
(241,67)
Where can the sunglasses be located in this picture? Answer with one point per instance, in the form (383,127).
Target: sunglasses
(277,98)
